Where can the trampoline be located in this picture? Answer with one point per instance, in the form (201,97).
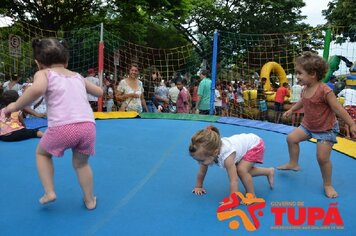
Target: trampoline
(143,177)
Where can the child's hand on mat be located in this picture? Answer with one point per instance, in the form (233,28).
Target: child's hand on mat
(199,191)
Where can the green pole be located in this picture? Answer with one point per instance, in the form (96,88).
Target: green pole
(326,51)
(327,41)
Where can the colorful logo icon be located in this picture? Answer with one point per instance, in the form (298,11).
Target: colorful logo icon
(226,210)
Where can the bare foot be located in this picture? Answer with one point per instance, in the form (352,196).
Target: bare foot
(270,177)
(90,204)
(330,191)
(47,198)
(289,166)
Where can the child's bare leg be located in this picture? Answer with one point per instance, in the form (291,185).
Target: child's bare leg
(45,171)
(323,156)
(243,170)
(85,178)
(293,140)
(262,171)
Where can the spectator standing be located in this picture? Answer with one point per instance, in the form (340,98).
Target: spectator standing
(183,98)
(130,92)
(331,82)
(204,90)
(162,97)
(151,81)
(349,105)
(240,102)
(93,100)
(12,84)
(218,100)
(261,99)
(194,92)
(109,95)
(281,93)
(296,95)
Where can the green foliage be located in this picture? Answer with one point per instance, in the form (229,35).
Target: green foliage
(138,21)
(165,24)
(246,16)
(52,14)
(342,13)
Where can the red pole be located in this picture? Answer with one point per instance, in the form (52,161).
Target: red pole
(101,69)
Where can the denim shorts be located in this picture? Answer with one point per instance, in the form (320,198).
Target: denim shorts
(329,135)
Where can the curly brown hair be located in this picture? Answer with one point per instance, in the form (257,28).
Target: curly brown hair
(312,63)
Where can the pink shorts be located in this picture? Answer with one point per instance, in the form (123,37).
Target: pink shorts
(256,153)
(80,137)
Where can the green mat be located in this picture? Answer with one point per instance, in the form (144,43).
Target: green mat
(208,118)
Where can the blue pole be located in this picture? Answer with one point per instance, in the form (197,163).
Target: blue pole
(213,72)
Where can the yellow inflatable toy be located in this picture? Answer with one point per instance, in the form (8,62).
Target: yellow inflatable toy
(249,95)
(276,69)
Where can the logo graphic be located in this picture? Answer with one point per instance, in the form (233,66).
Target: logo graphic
(287,215)
(226,210)
(292,215)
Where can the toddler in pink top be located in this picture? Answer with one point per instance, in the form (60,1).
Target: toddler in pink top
(64,90)
(319,122)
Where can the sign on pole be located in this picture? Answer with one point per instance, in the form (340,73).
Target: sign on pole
(15,45)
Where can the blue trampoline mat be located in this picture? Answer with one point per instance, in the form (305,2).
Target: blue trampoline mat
(143,179)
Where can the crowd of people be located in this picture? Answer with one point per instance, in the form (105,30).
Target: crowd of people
(190,94)
(183,94)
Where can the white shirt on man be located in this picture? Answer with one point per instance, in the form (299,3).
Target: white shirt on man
(95,81)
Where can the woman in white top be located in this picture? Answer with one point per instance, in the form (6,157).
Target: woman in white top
(130,92)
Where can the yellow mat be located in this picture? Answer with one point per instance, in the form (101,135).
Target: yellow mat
(115,115)
(344,145)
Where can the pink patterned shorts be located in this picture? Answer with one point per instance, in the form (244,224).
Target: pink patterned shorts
(79,137)
(256,153)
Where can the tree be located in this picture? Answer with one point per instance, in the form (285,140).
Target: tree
(246,18)
(53,14)
(342,13)
(150,22)
(137,21)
